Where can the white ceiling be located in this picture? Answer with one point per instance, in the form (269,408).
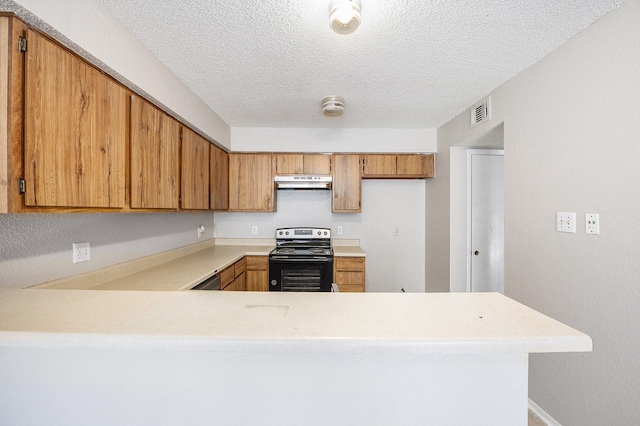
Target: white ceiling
(411,64)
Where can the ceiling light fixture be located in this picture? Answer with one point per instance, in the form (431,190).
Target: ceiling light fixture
(333,106)
(344,16)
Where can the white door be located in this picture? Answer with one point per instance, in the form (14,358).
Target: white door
(485,266)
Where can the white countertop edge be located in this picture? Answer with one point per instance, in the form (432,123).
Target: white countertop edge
(292,345)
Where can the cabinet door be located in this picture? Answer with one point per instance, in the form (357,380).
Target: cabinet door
(75,130)
(317,164)
(155,140)
(350,273)
(418,165)
(257,273)
(289,164)
(347,183)
(251,182)
(194,171)
(379,165)
(219,178)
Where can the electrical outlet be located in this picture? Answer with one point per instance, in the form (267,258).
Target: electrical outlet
(339,230)
(566,222)
(254,230)
(200,230)
(81,252)
(592,223)
(396,231)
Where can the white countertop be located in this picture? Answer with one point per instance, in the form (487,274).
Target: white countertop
(179,269)
(274,322)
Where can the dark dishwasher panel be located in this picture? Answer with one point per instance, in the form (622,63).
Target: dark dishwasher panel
(211,283)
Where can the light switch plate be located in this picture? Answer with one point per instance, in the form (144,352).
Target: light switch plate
(592,223)
(566,222)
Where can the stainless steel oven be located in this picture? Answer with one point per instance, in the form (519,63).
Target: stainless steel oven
(302,260)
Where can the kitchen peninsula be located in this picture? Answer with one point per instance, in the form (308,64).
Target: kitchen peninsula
(167,357)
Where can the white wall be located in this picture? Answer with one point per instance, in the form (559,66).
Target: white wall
(572,143)
(90,30)
(333,140)
(36,248)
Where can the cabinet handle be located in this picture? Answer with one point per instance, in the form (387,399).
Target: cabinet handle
(476,252)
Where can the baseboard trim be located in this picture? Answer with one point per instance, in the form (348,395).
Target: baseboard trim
(542,415)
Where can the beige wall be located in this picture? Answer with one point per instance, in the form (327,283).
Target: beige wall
(572,143)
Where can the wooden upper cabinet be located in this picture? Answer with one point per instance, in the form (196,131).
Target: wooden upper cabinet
(419,165)
(289,164)
(251,186)
(347,183)
(397,166)
(379,165)
(154,157)
(194,174)
(307,164)
(317,164)
(75,130)
(219,179)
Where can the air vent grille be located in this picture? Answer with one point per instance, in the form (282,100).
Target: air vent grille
(481,112)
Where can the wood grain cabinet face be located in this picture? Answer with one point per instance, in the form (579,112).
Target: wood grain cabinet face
(350,273)
(219,179)
(397,166)
(257,273)
(379,165)
(195,171)
(75,130)
(251,186)
(307,164)
(419,165)
(154,159)
(347,183)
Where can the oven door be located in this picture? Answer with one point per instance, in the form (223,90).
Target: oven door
(313,273)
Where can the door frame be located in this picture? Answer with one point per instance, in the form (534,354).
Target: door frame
(470,152)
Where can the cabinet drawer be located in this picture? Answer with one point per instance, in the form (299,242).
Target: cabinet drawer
(347,277)
(349,263)
(227,276)
(240,266)
(257,263)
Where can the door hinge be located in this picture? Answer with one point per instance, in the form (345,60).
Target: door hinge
(22,186)
(22,44)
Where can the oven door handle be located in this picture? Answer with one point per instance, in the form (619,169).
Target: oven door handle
(286,259)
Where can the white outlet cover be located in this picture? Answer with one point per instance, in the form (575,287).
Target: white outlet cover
(566,222)
(81,252)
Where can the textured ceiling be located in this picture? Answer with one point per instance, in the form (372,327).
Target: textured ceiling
(411,64)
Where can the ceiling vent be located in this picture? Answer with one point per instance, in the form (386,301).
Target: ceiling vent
(481,112)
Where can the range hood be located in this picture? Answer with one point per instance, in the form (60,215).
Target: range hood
(303,182)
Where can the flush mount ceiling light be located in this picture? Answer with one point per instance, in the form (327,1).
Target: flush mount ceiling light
(333,106)
(344,16)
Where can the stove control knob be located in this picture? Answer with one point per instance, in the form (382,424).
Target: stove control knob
(280,233)
(319,232)
(325,232)
(287,233)
(274,282)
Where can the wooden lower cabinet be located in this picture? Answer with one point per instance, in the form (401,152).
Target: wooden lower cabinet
(257,273)
(234,278)
(349,273)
